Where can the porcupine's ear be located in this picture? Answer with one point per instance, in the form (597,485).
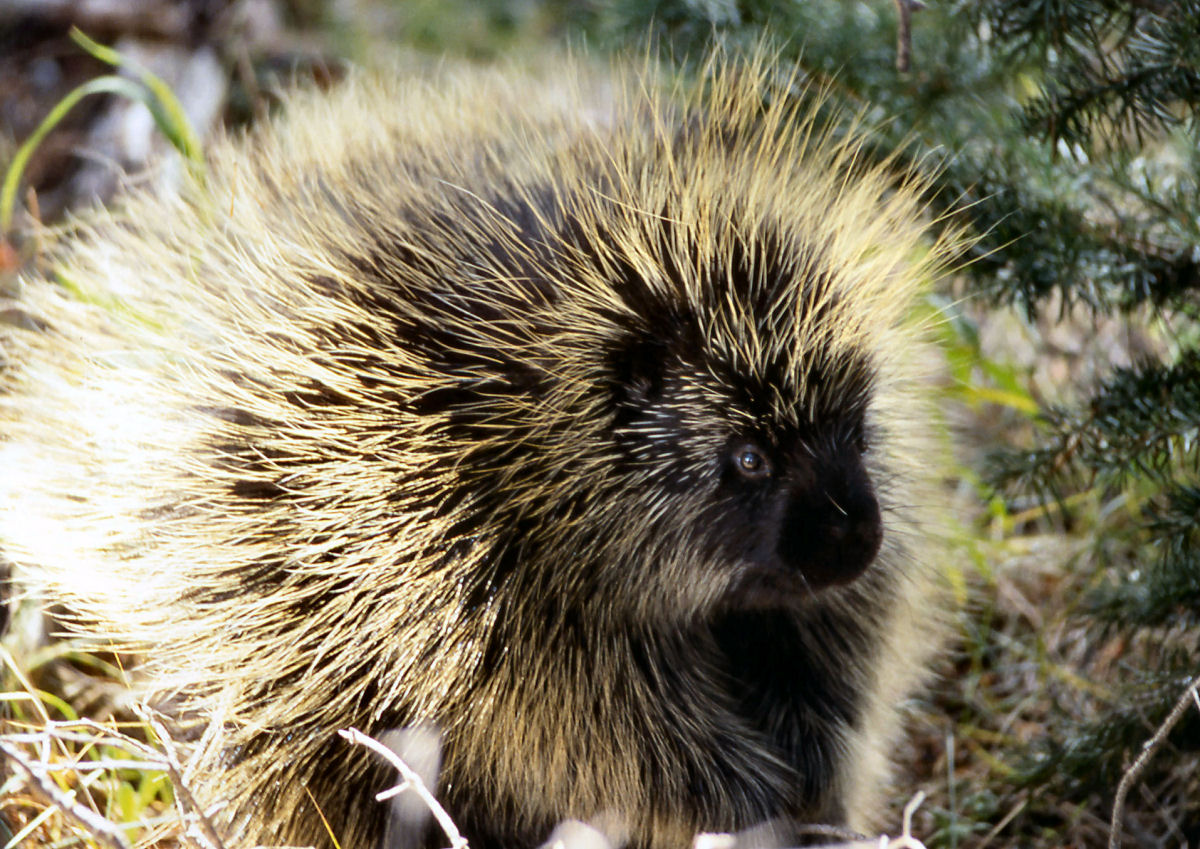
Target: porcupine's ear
(637,369)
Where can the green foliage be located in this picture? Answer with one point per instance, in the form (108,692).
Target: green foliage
(146,87)
(1168,590)
(1115,68)
(1068,766)
(1145,424)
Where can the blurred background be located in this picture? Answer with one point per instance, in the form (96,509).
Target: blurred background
(1063,133)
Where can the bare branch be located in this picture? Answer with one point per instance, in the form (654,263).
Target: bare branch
(173,769)
(1149,749)
(905,8)
(98,827)
(412,781)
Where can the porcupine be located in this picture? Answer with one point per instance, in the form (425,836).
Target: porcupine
(583,419)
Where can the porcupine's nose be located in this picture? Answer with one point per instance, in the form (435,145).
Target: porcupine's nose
(832,529)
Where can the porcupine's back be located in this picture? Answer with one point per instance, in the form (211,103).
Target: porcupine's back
(324,433)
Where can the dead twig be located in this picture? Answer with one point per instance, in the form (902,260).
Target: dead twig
(905,8)
(1191,694)
(906,839)
(98,827)
(211,838)
(412,781)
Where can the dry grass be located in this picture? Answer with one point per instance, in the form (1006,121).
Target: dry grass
(69,780)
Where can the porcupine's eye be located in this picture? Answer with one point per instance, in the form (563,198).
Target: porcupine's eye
(858,438)
(750,462)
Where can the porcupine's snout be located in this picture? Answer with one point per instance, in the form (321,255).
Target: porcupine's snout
(830,528)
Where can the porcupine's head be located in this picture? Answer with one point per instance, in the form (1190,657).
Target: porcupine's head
(708,409)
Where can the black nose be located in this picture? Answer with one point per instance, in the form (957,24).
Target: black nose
(831,530)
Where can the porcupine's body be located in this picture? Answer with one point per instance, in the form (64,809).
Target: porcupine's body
(581,421)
